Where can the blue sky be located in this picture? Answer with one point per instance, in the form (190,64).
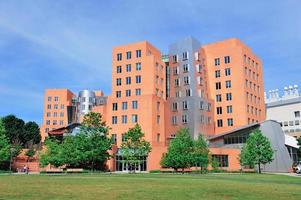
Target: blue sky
(68,43)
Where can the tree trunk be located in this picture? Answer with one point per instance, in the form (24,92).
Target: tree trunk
(182,170)
(259,170)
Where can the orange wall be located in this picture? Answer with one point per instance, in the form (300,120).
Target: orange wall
(233,157)
(236,50)
(64,99)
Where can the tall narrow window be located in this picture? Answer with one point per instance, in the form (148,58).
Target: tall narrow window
(138,53)
(217,61)
(119,56)
(128,55)
(227,59)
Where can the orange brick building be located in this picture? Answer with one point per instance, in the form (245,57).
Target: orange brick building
(209,89)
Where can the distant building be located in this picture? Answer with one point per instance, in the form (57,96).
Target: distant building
(285,109)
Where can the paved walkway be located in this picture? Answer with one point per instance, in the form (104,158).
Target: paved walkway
(288,174)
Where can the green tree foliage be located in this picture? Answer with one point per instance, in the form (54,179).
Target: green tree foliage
(134,147)
(200,154)
(31,133)
(53,154)
(179,153)
(14,128)
(256,151)
(18,132)
(4,145)
(88,149)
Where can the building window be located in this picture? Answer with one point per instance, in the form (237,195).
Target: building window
(176,70)
(219,110)
(177,82)
(135,104)
(118,94)
(118,69)
(55,106)
(48,114)
(61,122)
(186,80)
(128,80)
(114,138)
(227,59)
(188,93)
(217,73)
(56,98)
(201,105)
(138,92)
(123,139)
(49,98)
(124,119)
(174,120)
(138,66)
(134,118)
(228,84)
(158,137)
(222,160)
(229,109)
(178,93)
(55,114)
(62,114)
(128,93)
(118,81)
(119,56)
(128,68)
(218,86)
(124,105)
(297,114)
(114,106)
(230,122)
(174,58)
(138,53)
(217,61)
(138,79)
(128,55)
(184,119)
(227,71)
(228,96)
(49,106)
(209,107)
(158,119)
(54,122)
(185,105)
(219,123)
(114,119)
(185,55)
(198,68)
(218,98)
(186,68)
(47,122)
(174,106)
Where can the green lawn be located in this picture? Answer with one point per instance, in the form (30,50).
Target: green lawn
(150,186)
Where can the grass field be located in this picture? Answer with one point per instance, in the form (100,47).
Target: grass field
(150,186)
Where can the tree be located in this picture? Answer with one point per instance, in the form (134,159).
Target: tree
(53,155)
(200,154)
(134,148)
(31,133)
(93,120)
(86,149)
(4,145)
(14,128)
(256,151)
(179,153)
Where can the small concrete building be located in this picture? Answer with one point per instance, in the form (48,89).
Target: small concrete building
(285,147)
(285,109)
